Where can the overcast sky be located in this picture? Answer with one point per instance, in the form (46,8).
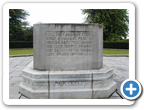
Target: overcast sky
(61,12)
(55,16)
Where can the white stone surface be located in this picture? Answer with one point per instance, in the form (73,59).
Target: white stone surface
(82,84)
(105,91)
(68,46)
(73,94)
(32,93)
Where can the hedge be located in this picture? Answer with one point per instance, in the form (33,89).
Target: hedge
(116,45)
(106,44)
(21,44)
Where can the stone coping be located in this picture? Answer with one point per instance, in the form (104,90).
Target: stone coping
(115,55)
(103,55)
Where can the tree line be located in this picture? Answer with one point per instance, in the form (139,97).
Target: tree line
(18,27)
(115,23)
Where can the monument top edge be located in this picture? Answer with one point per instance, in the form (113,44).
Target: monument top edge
(66,24)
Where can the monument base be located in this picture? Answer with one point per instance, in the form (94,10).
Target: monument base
(80,84)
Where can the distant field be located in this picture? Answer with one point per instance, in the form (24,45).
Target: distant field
(30,52)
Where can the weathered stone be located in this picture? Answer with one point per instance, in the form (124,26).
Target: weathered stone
(68,46)
(68,63)
(80,84)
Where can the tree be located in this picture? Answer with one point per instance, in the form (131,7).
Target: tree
(16,17)
(114,21)
(28,34)
(24,25)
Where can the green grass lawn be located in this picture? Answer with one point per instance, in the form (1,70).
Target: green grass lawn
(115,52)
(30,52)
(21,52)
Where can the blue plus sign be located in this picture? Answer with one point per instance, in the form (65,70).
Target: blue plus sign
(131,89)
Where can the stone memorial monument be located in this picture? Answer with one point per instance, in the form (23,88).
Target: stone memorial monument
(67,63)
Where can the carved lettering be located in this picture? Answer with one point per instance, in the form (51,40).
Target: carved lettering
(71,83)
(71,43)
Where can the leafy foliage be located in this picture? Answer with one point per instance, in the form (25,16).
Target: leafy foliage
(114,21)
(116,44)
(21,44)
(28,34)
(16,23)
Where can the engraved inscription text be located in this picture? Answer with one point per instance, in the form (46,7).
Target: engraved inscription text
(70,43)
